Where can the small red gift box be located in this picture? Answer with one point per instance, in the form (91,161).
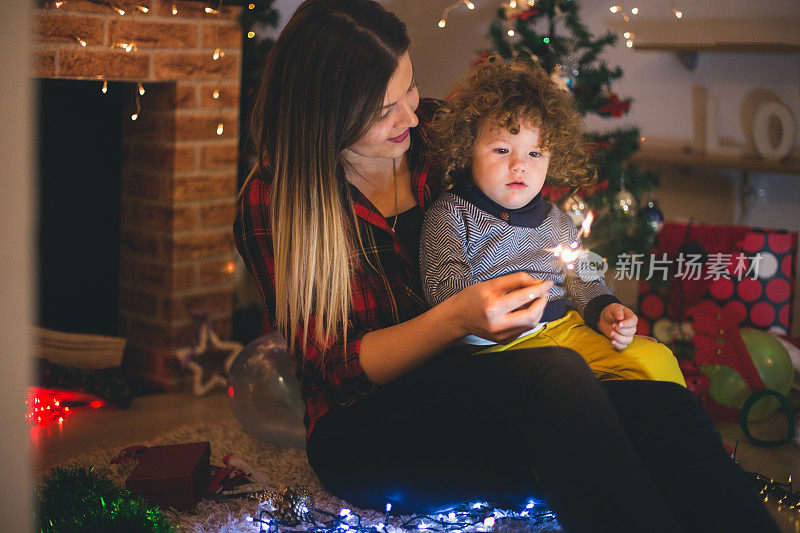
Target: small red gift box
(176,475)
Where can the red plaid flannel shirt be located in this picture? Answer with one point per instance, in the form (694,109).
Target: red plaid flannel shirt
(380,299)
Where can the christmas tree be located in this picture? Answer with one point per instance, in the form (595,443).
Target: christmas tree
(551,33)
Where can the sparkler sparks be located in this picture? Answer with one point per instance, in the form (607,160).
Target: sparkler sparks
(571,253)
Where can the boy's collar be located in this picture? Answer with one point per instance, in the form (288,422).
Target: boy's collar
(528,216)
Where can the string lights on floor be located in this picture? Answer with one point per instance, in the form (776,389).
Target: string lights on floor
(295,507)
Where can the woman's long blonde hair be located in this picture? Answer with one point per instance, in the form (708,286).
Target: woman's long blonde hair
(323,84)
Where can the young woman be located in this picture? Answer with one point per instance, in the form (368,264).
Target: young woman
(396,412)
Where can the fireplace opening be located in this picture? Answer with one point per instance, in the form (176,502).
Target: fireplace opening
(80,145)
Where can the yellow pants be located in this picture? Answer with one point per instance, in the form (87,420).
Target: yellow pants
(643,358)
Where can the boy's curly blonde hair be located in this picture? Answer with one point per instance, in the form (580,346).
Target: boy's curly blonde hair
(507,93)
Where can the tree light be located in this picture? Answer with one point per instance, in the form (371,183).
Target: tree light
(470,5)
(143,9)
(215,94)
(614,9)
(678,13)
(510,33)
(174,10)
(104,90)
(141,89)
(512,4)
(251,34)
(134,116)
(211,10)
(635,10)
(120,11)
(251,6)
(219,128)
(442,23)
(80,41)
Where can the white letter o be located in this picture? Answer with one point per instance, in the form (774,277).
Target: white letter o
(761,131)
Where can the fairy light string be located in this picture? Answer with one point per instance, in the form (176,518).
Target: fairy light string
(448,9)
(293,511)
(619,9)
(218,53)
(294,507)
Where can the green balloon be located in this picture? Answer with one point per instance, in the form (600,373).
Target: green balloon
(771,359)
(727,386)
(773,365)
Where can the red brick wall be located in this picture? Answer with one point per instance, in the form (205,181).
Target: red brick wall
(178,176)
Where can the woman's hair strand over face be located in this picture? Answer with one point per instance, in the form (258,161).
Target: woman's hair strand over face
(323,84)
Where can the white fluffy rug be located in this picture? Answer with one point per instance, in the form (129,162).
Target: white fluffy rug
(284,467)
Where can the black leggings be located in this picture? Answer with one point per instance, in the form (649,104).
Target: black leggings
(502,427)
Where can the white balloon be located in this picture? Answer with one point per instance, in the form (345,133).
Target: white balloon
(265,394)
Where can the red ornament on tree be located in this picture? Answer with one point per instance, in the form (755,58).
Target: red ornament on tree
(525,15)
(614,107)
(555,193)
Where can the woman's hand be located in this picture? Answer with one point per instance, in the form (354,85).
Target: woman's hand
(501,309)
(618,323)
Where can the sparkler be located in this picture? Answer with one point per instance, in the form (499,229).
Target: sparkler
(573,251)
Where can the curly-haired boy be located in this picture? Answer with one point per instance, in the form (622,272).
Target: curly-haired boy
(506,128)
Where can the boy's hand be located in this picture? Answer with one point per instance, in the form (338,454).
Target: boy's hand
(618,323)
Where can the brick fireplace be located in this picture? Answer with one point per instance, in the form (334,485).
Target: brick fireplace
(178,179)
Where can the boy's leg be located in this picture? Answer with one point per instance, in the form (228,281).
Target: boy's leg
(642,359)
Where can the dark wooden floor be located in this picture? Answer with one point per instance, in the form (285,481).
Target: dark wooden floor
(151,416)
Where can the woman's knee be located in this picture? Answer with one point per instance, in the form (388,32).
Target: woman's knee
(558,360)
(553,371)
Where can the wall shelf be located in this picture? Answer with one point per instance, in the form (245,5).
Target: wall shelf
(688,37)
(688,158)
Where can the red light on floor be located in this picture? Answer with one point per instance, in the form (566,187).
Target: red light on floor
(97,404)
(230,392)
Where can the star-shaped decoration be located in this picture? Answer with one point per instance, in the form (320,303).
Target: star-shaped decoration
(204,376)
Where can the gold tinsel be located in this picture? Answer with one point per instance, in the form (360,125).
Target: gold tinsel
(290,506)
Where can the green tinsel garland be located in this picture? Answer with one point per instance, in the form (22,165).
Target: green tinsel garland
(76,499)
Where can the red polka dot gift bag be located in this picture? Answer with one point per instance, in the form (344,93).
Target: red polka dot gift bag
(749,272)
